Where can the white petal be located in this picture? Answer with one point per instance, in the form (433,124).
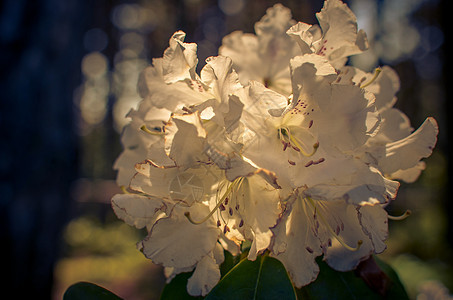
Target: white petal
(176,242)
(158,94)
(362,184)
(303,36)
(185,186)
(407,152)
(277,19)
(263,101)
(156,153)
(409,175)
(238,168)
(232,117)
(170,272)
(180,59)
(352,225)
(311,76)
(243,49)
(385,87)
(151,72)
(346,117)
(296,244)
(136,210)
(125,163)
(339,257)
(153,180)
(185,139)
(264,57)
(230,246)
(395,125)
(276,47)
(219,75)
(205,277)
(218,254)
(374,221)
(259,208)
(135,143)
(339,26)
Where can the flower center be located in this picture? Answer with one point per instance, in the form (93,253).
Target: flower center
(231,188)
(296,142)
(318,210)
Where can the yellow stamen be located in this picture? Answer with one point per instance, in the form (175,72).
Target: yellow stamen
(377,71)
(315,147)
(288,139)
(145,129)
(129,191)
(339,238)
(124,189)
(406,214)
(236,183)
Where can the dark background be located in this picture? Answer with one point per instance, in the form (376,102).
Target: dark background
(68,74)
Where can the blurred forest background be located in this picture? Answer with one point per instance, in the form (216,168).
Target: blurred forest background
(68,77)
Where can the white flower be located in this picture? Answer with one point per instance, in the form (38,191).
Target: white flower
(138,144)
(396,149)
(179,60)
(335,38)
(177,66)
(185,211)
(311,143)
(335,199)
(345,233)
(246,202)
(193,191)
(249,207)
(160,200)
(206,274)
(296,153)
(170,85)
(265,56)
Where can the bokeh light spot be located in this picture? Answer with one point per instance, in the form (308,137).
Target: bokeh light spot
(94,65)
(231,7)
(126,16)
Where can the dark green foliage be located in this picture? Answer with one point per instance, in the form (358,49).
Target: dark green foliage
(88,291)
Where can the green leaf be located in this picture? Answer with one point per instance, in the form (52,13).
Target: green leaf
(88,291)
(367,282)
(264,278)
(229,262)
(177,288)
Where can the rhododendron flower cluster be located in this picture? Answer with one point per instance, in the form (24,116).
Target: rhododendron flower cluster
(275,143)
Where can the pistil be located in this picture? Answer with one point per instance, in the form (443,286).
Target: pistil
(235,185)
(377,71)
(406,214)
(336,232)
(289,139)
